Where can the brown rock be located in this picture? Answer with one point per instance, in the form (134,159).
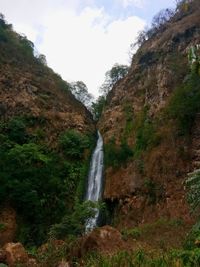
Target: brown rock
(15,253)
(151,82)
(53,245)
(32,263)
(63,264)
(105,240)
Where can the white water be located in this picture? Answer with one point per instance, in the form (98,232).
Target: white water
(95,181)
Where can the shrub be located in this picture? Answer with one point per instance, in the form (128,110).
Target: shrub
(193,238)
(74,223)
(193,185)
(98,106)
(116,156)
(145,132)
(184,104)
(194,59)
(17,130)
(73,144)
(40,184)
(134,233)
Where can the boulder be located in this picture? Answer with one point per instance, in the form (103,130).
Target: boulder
(106,240)
(63,264)
(15,253)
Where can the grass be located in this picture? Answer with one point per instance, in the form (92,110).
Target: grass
(174,258)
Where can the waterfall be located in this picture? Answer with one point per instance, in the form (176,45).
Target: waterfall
(94,188)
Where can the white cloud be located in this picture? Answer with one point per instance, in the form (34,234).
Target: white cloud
(84,47)
(137,3)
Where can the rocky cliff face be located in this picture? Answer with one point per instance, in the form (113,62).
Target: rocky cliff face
(28,87)
(40,93)
(150,183)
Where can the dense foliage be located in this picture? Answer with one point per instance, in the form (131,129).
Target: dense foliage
(98,106)
(40,183)
(184,103)
(116,156)
(74,224)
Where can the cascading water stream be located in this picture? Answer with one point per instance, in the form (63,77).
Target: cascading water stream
(95,178)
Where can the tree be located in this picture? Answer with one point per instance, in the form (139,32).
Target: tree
(74,144)
(158,24)
(97,107)
(42,59)
(112,76)
(160,19)
(80,91)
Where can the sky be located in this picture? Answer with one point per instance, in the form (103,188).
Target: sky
(82,39)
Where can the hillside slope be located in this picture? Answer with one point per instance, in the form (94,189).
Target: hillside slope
(27,86)
(149,128)
(46,137)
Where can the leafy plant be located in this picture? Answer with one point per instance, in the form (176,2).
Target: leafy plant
(145,132)
(194,59)
(134,233)
(193,185)
(73,144)
(112,76)
(98,106)
(184,104)
(74,224)
(40,184)
(116,156)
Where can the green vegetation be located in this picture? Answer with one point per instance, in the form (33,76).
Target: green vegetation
(17,47)
(184,104)
(73,144)
(150,228)
(115,74)
(133,233)
(162,19)
(98,106)
(193,186)
(127,108)
(117,156)
(146,137)
(42,184)
(145,132)
(74,224)
(80,91)
(194,59)
(175,258)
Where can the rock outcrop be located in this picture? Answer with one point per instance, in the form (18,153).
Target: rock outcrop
(158,68)
(105,240)
(24,92)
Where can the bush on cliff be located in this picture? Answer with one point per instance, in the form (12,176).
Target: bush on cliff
(41,184)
